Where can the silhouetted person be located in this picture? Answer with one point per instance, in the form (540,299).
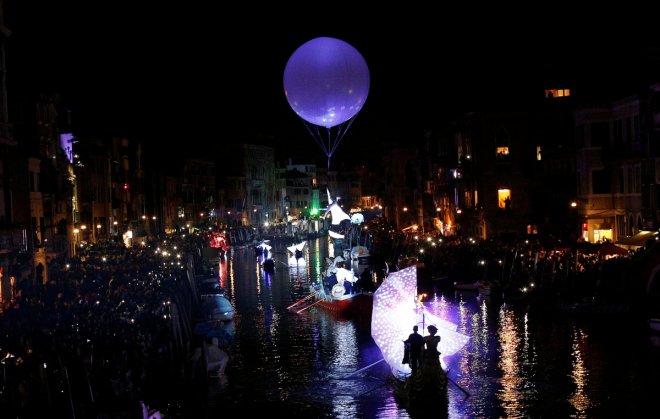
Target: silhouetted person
(364,283)
(40,273)
(269,265)
(416,345)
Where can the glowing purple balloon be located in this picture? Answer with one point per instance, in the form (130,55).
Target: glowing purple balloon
(326,81)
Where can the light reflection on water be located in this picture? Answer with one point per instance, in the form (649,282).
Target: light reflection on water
(516,364)
(580,375)
(512,365)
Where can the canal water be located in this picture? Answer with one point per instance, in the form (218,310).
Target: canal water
(518,363)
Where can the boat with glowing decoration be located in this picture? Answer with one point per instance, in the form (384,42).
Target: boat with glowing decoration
(347,304)
(397,307)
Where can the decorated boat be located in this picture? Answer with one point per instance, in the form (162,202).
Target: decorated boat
(397,307)
(347,304)
(337,302)
(339,290)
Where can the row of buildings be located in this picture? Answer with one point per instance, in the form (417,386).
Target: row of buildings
(558,167)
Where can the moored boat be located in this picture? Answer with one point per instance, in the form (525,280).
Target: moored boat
(217,307)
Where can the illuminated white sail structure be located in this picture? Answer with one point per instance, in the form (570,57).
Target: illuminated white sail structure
(299,247)
(396,311)
(264,246)
(338,215)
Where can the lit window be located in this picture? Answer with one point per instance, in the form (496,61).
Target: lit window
(502,152)
(538,152)
(504,198)
(602,234)
(554,93)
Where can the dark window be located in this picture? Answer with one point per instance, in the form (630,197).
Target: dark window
(579,136)
(618,131)
(601,181)
(600,134)
(411,175)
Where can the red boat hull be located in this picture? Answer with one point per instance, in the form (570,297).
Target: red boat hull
(357,304)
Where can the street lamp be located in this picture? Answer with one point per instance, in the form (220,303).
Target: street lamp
(75,240)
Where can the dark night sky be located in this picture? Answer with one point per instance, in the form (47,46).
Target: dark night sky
(202,74)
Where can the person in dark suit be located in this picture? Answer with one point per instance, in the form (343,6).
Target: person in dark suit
(416,345)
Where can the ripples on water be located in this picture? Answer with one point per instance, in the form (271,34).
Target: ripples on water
(516,364)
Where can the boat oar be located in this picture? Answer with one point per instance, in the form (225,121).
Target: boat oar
(302,299)
(459,387)
(308,306)
(362,369)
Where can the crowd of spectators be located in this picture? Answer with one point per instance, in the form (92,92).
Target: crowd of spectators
(101,332)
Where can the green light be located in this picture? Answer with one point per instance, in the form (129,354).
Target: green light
(314,211)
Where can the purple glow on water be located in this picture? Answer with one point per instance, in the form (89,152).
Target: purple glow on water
(515,364)
(326,81)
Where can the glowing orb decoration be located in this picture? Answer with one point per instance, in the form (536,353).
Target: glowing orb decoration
(326,81)
(396,311)
(357,218)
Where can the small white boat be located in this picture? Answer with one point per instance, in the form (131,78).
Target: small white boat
(217,307)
